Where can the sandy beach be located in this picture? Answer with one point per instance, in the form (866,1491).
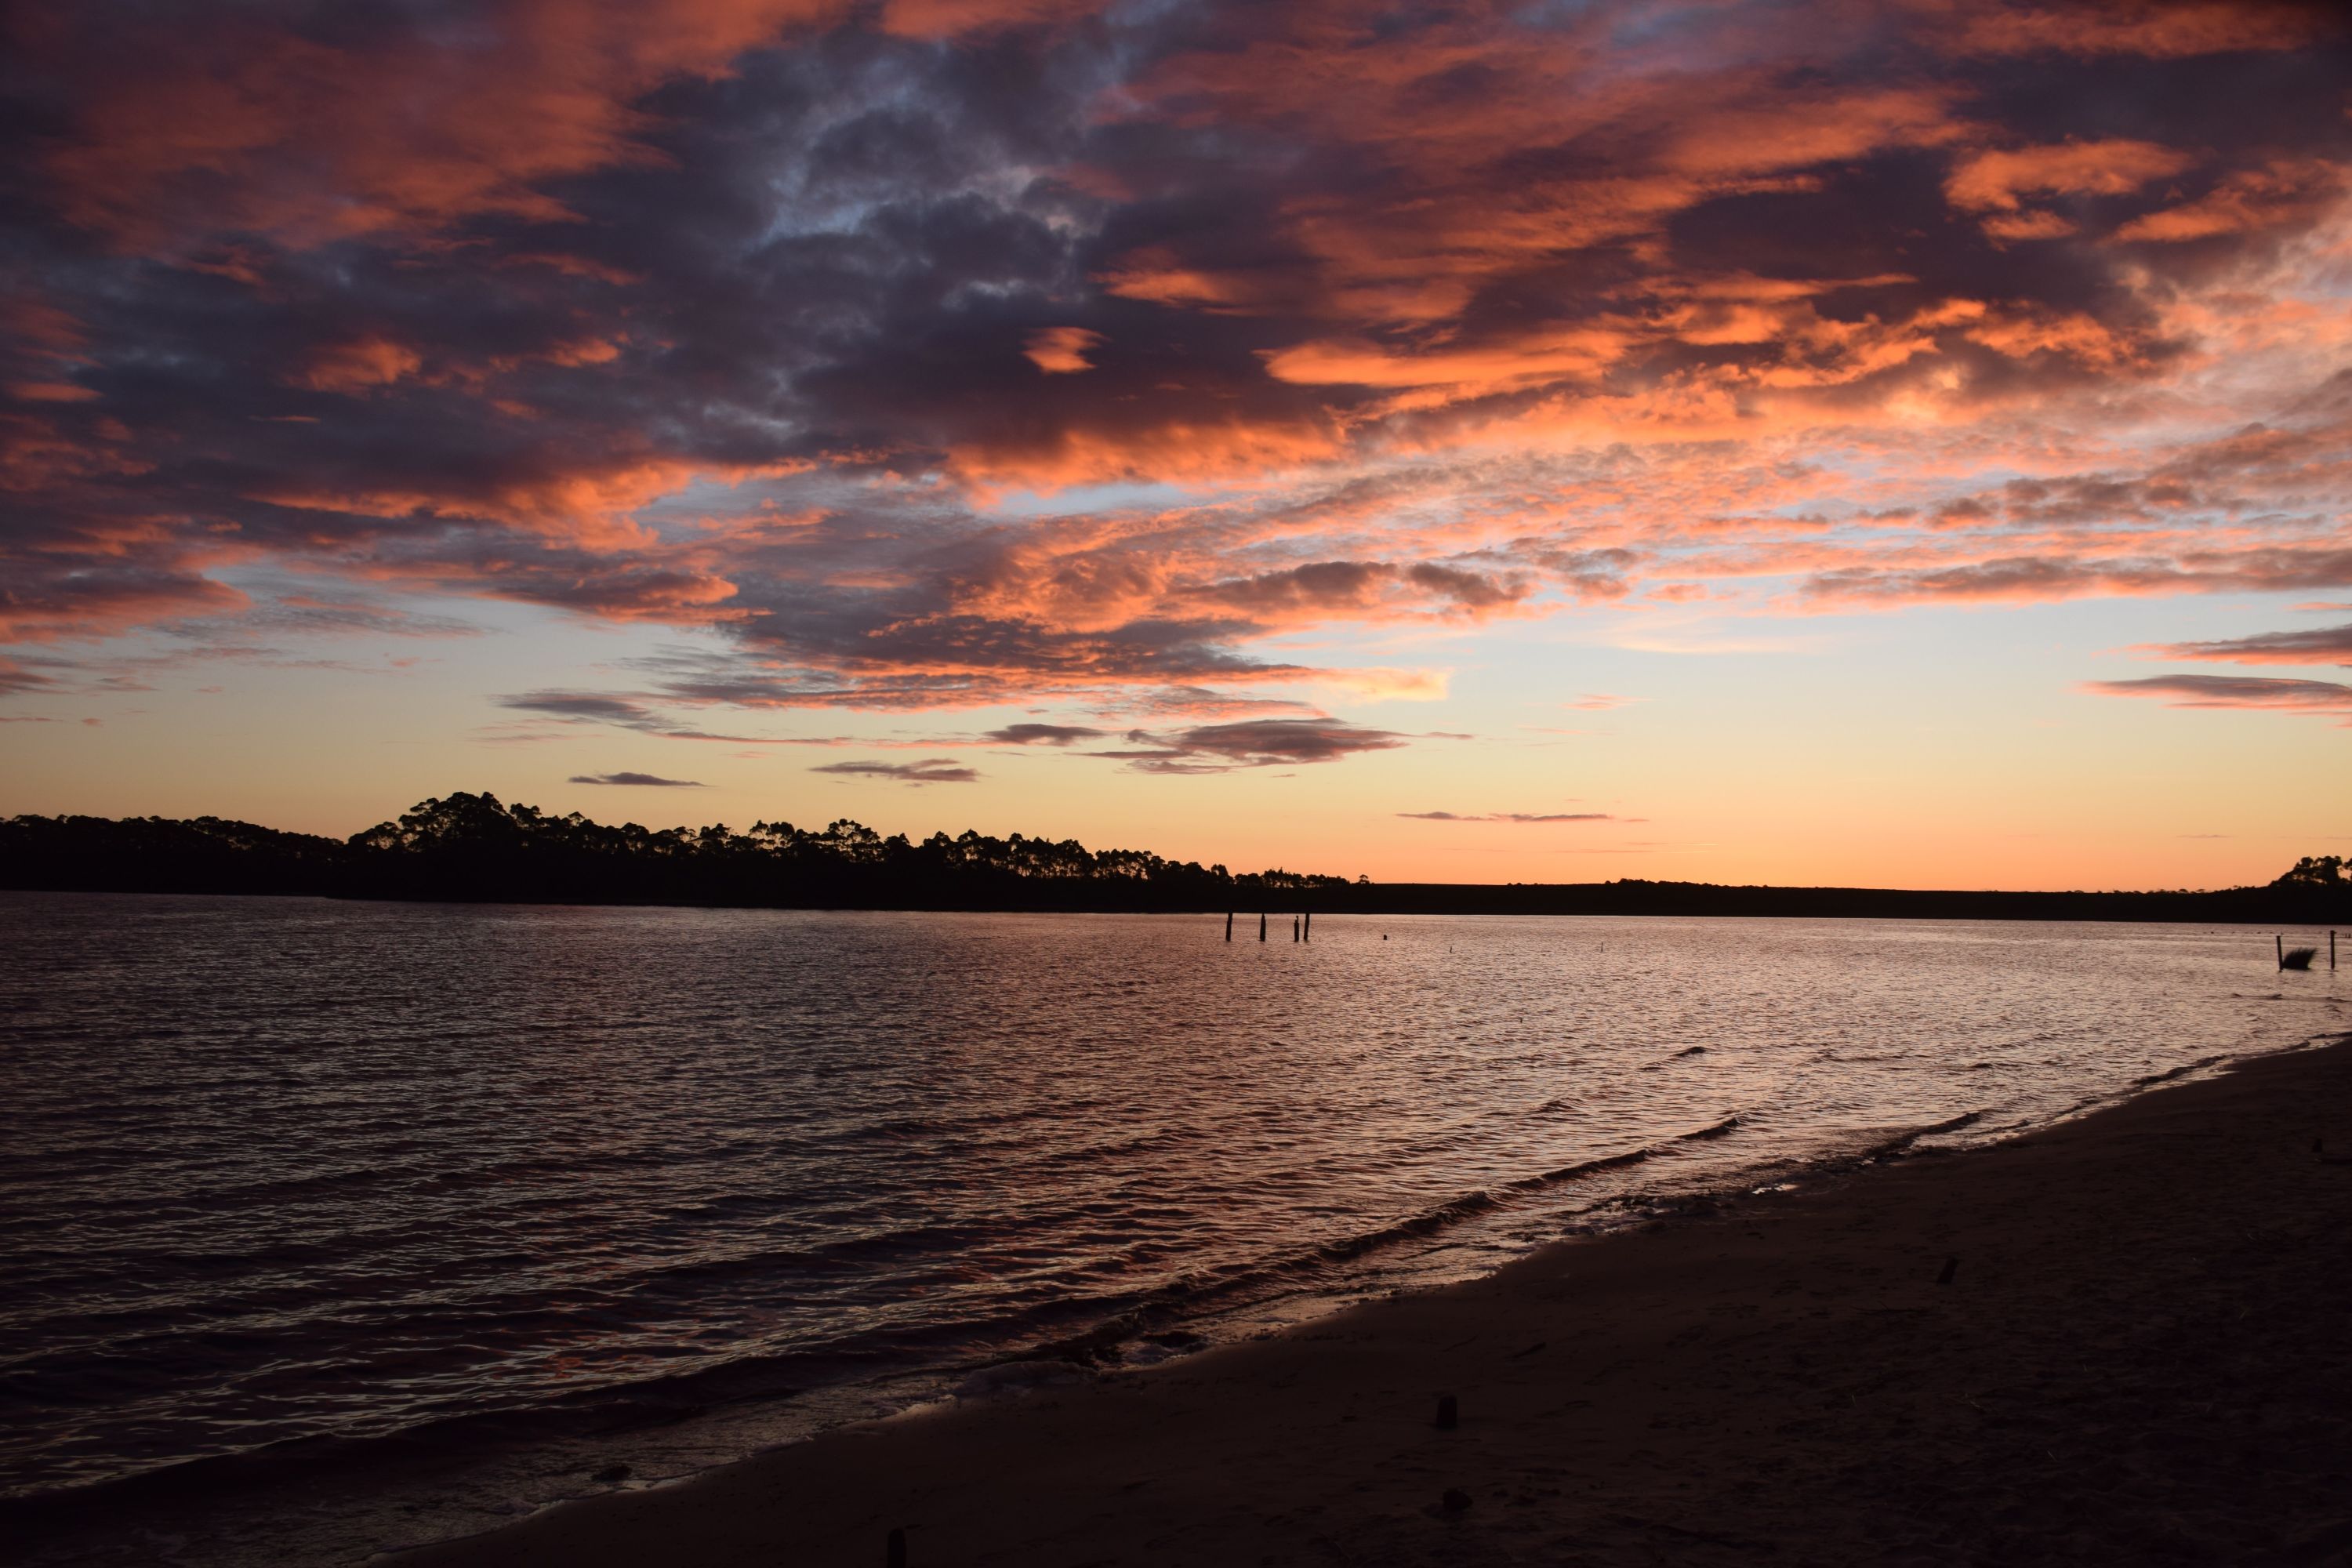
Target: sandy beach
(2123,1338)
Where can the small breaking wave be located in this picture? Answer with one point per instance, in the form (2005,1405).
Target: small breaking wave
(2183,1070)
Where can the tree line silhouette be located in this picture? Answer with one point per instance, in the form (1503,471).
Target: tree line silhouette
(473,849)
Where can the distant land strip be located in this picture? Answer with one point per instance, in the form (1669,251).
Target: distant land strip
(470,848)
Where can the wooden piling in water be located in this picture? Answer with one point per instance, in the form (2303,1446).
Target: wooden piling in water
(1294,928)
(1261,927)
(1229,925)
(2331,938)
(894,1549)
(2281,942)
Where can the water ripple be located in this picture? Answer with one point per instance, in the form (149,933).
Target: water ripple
(305,1170)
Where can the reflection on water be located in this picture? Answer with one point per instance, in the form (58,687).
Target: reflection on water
(289,1168)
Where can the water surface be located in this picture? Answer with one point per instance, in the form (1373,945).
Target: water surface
(543,1179)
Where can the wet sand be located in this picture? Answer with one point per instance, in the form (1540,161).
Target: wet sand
(2143,1353)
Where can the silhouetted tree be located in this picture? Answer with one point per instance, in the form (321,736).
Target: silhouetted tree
(474,848)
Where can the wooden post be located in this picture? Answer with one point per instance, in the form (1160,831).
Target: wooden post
(1294,928)
(1311,936)
(1261,927)
(2331,949)
(1229,925)
(894,1549)
(2281,942)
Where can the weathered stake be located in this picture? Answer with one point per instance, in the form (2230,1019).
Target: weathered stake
(1449,1415)
(1261,927)
(2331,938)
(1229,925)
(894,1553)
(2281,942)
(1951,1267)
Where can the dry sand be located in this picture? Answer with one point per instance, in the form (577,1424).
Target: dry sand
(2143,1355)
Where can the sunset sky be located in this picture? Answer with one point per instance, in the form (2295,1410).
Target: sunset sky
(1898,443)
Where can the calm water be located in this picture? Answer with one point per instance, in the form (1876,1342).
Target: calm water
(292,1170)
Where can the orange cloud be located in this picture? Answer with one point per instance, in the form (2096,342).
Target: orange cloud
(1179,451)
(590,506)
(253,128)
(2245,202)
(1992,181)
(583,352)
(1061,350)
(1466,371)
(33,322)
(52,392)
(2074,336)
(358,365)
(1154,275)
(2130,27)
(2027,225)
(1737,141)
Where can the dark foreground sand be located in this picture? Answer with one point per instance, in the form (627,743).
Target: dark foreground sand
(2144,1355)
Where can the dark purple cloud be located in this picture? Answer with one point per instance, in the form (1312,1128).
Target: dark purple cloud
(1250,743)
(1330,587)
(1042,734)
(649,780)
(15,678)
(930,770)
(2328,697)
(1509,817)
(2319,645)
(584,705)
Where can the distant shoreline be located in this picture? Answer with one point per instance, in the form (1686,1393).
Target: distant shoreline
(2262,907)
(472,848)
